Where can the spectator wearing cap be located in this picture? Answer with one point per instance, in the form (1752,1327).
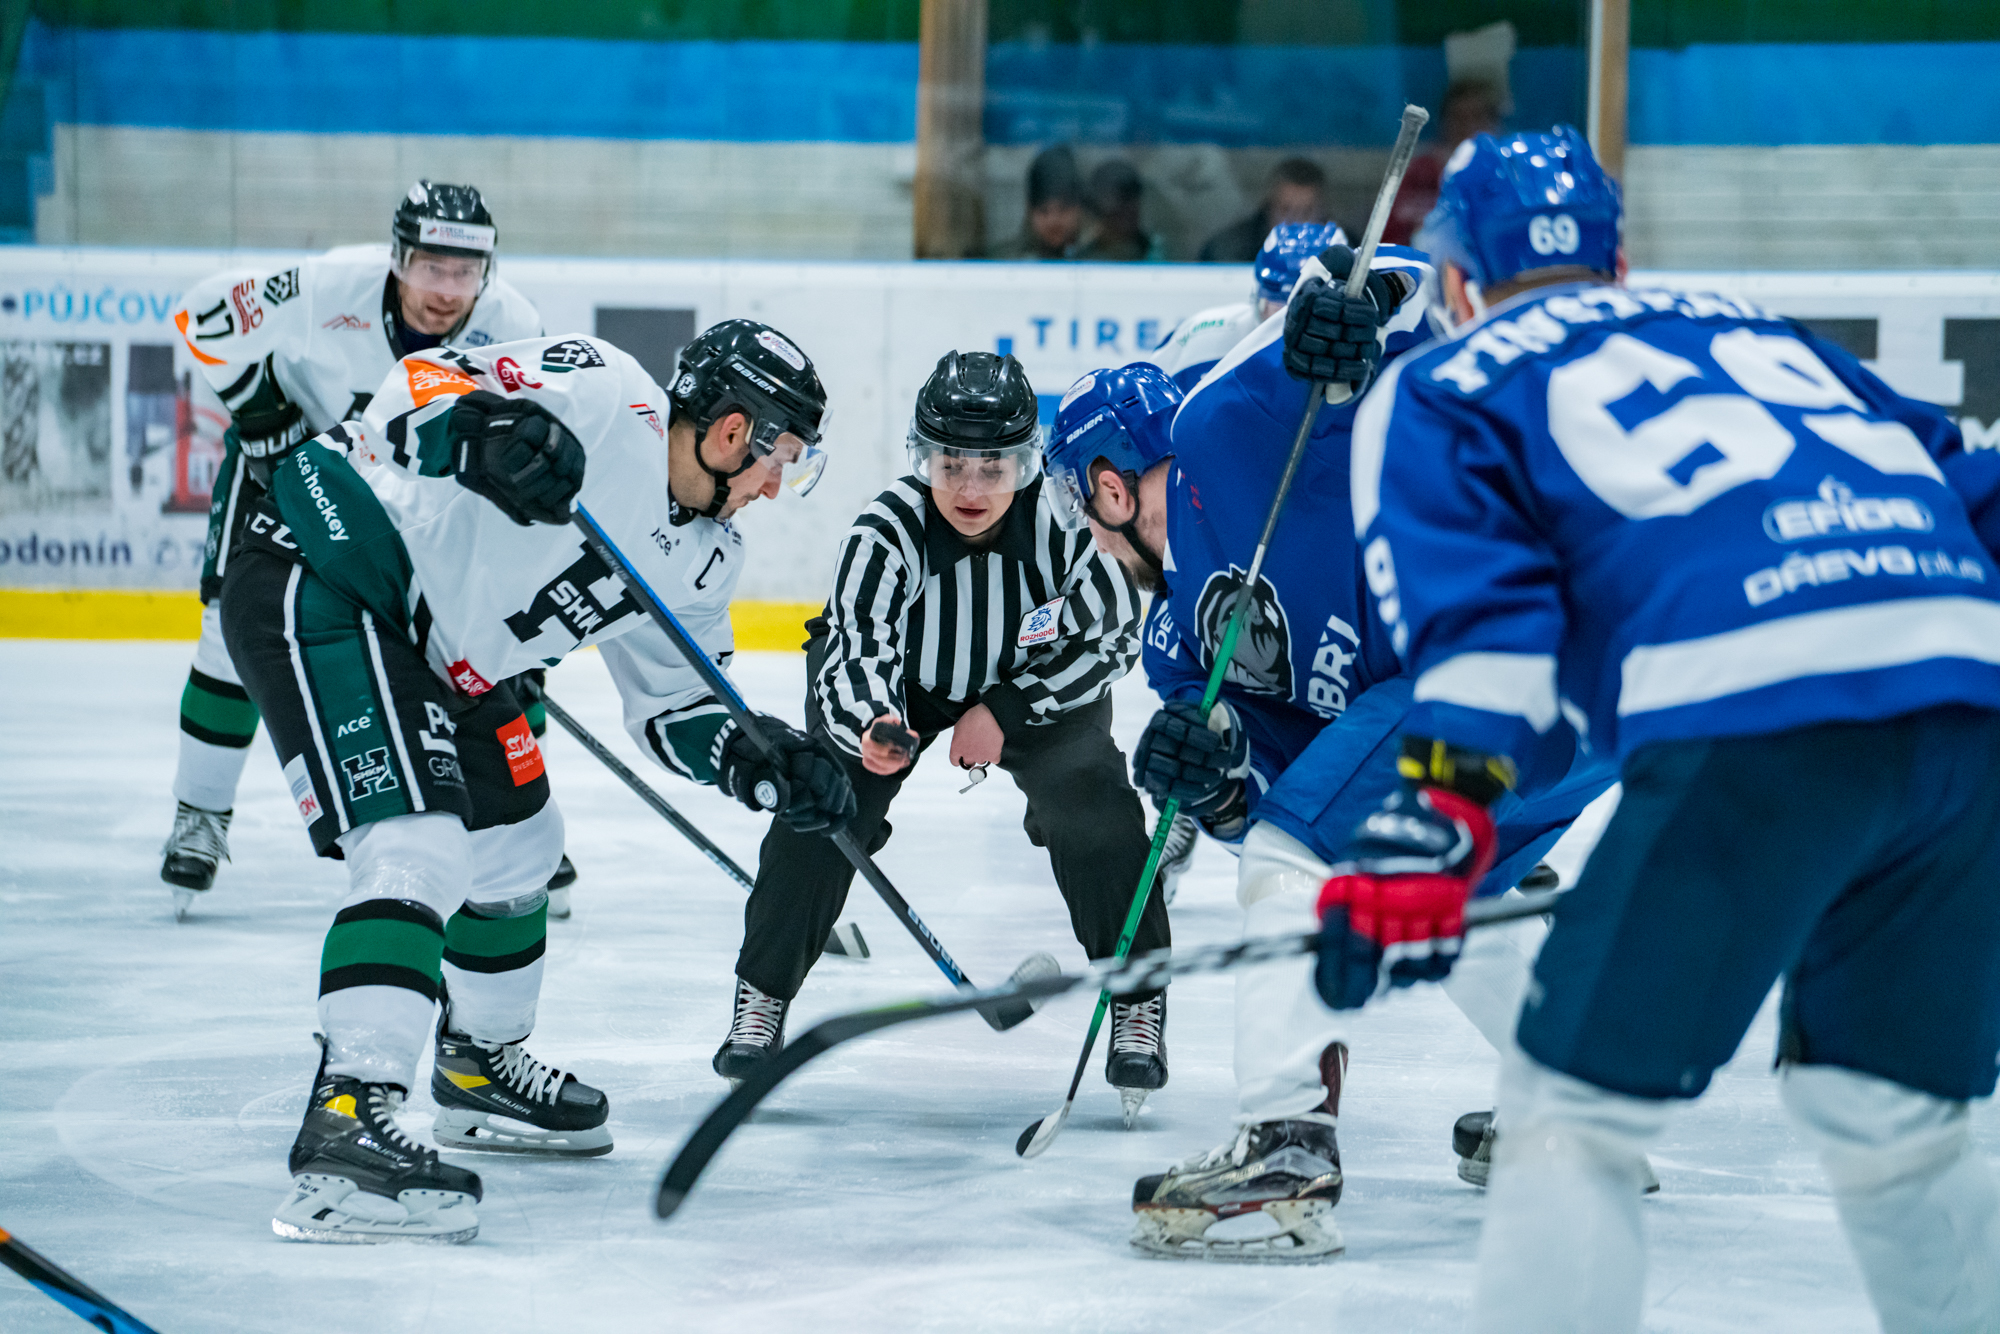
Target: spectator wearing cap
(1115,193)
(1053,227)
(1471,106)
(1297,193)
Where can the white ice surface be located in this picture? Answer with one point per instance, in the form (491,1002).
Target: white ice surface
(152,1075)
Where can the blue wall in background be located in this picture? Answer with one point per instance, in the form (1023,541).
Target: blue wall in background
(865,92)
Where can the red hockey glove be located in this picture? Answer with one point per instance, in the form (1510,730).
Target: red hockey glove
(1394,910)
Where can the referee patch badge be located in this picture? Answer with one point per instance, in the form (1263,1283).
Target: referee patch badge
(1040,625)
(524,757)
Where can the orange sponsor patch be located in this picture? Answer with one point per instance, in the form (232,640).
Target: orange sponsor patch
(428,382)
(524,757)
(181,323)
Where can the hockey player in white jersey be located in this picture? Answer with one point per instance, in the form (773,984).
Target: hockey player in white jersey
(401,569)
(293,352)
(1205,337)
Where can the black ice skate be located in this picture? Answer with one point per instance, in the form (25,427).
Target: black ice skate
(558,887)
(356,1177)
(494,1096)
(1289,1171)
(1136,1063)
(1178,855)
(756,1032)
(199,843)
(1472,1140)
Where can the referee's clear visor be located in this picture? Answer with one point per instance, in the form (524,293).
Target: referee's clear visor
(972,470)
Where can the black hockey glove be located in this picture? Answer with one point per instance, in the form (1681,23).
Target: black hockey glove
(807,785)
(516,454)
(1330,338)
(1200,761)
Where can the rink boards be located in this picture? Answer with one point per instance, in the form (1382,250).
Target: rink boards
(109,443)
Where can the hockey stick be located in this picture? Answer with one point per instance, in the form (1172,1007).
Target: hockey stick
(1001,1018)
(69,1290)
(844,941)
(1037,1137)
(1116,977)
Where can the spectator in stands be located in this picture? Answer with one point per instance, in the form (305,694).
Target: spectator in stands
(1471,106)
(1114,196)
(1053,227)
(1297,193)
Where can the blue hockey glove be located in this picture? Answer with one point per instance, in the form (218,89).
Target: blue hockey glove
(1200,761)
(516,454)
(1330,338)
(1393,912)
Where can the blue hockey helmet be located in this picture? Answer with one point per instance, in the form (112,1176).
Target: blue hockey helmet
(1125,416)
(1521,202)
(1286,250)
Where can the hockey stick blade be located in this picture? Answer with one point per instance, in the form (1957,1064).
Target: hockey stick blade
(1019,1011)
(845,941)
(1146,973)
(68,1290)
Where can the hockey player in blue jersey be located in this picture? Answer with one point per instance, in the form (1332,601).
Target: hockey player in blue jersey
(1764,582)
(1206,337)
(1299,748)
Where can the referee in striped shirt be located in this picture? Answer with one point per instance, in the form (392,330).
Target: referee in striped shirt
(961,606)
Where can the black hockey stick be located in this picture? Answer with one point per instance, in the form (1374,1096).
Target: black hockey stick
(844,941)
(1002,1016)
(1042,1133)
(1147,972)
(69,1290)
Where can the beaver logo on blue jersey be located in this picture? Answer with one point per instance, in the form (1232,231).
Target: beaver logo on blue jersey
(1263,660)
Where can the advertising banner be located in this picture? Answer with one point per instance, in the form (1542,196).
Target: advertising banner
(109,439)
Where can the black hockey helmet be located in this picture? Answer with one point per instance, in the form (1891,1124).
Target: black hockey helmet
(743,366)
(446,220)
(977,408)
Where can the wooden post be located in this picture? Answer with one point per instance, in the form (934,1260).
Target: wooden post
(950,214)
(1610,50)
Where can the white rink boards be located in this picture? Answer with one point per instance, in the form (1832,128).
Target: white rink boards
(151,1077)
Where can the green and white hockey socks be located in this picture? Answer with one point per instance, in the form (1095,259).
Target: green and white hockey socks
(218,723)
(493,967)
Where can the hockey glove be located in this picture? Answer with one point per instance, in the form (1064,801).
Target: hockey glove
(1394,911)
(1330,338)
(1199,761)
(806,784)
(267,423)
(516,454)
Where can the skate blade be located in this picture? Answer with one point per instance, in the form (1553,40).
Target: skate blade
(1133,1100)
(183,901)
(456,1128)
(331,1209)
(1651,1184)
(1306,1235)
(559,905)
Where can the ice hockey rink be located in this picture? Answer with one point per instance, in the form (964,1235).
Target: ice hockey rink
(152,1076)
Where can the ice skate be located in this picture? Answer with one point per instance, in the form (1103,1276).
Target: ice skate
(1472,1139)
(494,1096)
(756,1032)
(1288,1171)
(356,1177)
(1136,1062)
(1178,855)
(558,887)
(199,843)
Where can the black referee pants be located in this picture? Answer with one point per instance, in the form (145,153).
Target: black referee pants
(1081,807)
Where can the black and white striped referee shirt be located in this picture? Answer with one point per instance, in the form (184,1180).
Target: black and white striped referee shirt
(1036,623)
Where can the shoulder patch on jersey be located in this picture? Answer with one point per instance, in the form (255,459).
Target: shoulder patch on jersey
(281,287)
(571,354)
(428,381)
